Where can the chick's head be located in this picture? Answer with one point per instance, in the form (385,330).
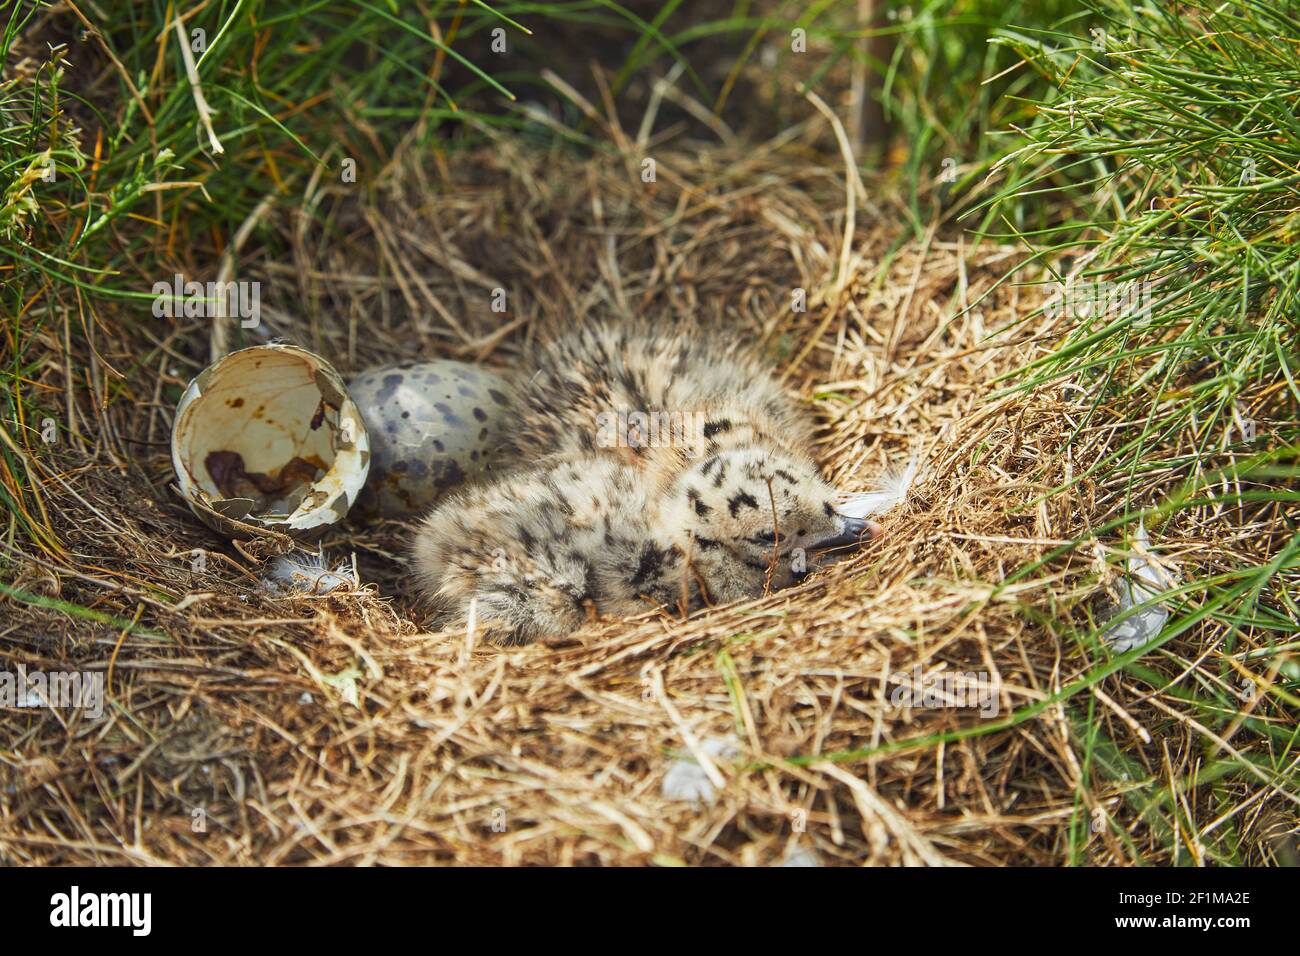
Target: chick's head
(754,517)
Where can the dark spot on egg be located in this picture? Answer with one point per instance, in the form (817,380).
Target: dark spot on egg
(480,414)
(449,474)
(448,415)
(496,396)
(389,386)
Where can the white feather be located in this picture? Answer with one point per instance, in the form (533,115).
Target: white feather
(309,573)
(686,781)
(892,490)
(1146,579)
(801,857)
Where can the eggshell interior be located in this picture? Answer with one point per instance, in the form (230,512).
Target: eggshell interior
(262,410)
(270,405)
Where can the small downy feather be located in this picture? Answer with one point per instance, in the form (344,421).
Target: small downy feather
(892,491)
(308,572)
(686,781)
(1145,579)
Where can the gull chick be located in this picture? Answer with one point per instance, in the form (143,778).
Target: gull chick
(641,471)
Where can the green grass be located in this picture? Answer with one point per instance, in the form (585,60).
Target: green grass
(1169,155)
(1188,130)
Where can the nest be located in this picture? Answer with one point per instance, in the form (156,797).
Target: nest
(246,726)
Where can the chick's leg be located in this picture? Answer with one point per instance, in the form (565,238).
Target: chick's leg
(507,550)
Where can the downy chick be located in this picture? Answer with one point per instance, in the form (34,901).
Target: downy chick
(663,473)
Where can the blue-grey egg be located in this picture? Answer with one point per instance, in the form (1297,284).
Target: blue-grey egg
(433,426)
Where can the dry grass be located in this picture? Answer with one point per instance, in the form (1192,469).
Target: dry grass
(226,699)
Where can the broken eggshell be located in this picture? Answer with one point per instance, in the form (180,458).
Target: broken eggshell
(268,438)
(433,426)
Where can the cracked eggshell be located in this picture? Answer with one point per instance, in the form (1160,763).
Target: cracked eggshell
(433,426)
(268,440)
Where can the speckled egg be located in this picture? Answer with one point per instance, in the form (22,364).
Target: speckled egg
(432,426)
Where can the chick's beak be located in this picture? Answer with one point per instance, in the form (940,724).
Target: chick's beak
(853,532)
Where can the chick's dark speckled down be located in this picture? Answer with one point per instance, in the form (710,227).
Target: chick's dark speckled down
(637,471)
